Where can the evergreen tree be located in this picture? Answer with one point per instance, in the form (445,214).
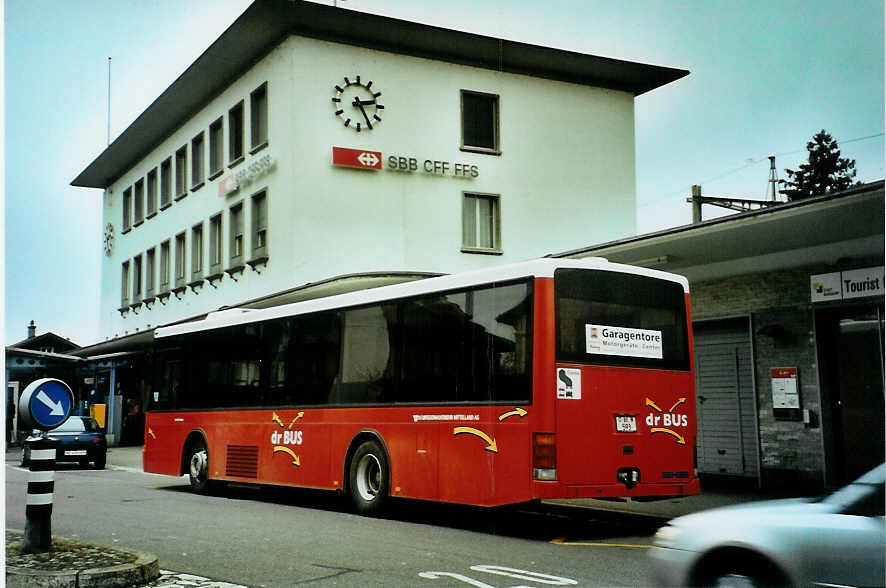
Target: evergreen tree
(826,172)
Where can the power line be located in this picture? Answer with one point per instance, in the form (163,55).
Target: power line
(750,163)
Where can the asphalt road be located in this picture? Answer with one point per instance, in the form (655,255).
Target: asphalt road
(286,537)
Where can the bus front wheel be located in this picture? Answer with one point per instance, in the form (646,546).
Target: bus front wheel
(369,478)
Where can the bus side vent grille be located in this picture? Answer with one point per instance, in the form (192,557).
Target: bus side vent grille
(242,461)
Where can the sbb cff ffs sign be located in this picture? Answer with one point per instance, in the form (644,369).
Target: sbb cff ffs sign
(356,158)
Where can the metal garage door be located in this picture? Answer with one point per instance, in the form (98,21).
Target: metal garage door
(727,427)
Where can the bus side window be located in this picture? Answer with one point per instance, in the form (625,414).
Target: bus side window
(172,381)
(312,358)
(368,356)
(278,347)
(245,346)
(433,348)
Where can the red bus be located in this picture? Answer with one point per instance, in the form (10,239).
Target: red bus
(552,378)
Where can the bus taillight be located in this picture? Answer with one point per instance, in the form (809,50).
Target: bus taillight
(544,457)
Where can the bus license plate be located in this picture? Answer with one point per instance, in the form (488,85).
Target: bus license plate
(626,423)
(76,452)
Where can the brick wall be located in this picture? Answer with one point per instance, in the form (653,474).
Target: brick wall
(791,452)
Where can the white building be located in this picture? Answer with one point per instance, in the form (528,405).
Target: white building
(475,151)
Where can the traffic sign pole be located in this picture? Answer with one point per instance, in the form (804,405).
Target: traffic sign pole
(44,404)
(41,485)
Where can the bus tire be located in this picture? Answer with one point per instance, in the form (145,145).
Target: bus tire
(369,478)
(198,467)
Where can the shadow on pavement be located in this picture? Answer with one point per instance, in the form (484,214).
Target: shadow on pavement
(532,521)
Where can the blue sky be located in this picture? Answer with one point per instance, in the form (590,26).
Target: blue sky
(765,76)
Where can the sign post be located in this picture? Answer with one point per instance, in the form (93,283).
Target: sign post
(45,404)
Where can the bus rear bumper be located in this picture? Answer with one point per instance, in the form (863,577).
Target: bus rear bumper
(551,490)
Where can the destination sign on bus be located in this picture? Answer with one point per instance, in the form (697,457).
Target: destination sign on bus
(609,340)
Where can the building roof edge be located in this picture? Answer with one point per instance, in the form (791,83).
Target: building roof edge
(266,22)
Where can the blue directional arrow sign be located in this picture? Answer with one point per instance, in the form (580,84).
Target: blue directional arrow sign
(47,403)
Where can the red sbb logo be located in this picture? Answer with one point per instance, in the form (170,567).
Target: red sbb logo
(356,158)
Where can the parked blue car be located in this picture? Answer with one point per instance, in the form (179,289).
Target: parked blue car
(80,440)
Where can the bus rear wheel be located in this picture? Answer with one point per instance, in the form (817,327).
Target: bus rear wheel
(198,467)
(369,478)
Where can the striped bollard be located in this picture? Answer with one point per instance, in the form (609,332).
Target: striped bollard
(41,483)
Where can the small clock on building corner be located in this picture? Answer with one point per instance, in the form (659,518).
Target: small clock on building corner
(109,239)
(357,104)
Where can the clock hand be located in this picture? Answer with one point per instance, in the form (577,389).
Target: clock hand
(359,105)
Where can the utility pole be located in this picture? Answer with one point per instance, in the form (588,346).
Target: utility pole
(736,204)
(696,204)
(773,176)
(109,102)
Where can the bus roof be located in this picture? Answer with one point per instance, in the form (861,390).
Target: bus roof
(537,268)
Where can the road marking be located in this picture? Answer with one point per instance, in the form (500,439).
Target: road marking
(169,578)
(562,541)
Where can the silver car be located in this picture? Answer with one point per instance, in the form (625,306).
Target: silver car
(837,540)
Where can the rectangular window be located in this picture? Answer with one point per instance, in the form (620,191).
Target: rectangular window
(180,258)
(150,272)
(166,183)
(215,244)
(258,111)
(152,192)
(260,225)
(164,266)
(127,209)
(197,161)
(216,149)
(481,223)
(139,203)
(197,252)
(479,122)
(614,318)
(181,172)
(369,356)
(468,346)
(235,134)
(124,285)
(137,279)
(236,224)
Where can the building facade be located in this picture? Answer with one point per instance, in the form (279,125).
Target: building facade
(310,142)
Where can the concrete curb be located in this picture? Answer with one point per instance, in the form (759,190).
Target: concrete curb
(144,569)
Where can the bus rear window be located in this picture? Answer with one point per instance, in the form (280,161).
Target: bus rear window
(614,318)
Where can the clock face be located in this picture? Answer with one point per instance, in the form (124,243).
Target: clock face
(357,104)
(109,239)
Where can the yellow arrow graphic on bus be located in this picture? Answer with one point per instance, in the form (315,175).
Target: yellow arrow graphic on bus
(276,418)
(680,439)
(516,412)
(151,433)
(649,402)
(300,414)
(678,403)
(295,460)
(490,442)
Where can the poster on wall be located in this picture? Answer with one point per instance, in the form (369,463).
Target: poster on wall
(784,388)
(785,393)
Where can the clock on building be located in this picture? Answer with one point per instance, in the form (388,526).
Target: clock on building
(109,239)
(356,104)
